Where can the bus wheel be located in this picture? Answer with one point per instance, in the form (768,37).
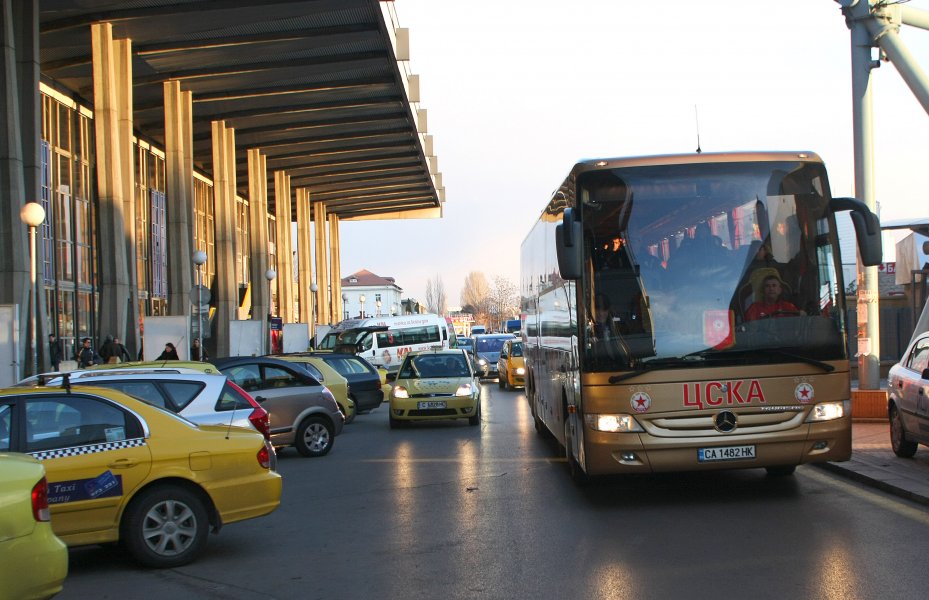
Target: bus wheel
(898,442)
(781,471)
(578,476)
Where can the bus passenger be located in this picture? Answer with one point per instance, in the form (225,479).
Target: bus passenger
(771,304)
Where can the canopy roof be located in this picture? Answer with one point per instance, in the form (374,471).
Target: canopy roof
(314,84)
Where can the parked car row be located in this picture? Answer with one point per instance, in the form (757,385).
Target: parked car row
(120,469)
(155,455)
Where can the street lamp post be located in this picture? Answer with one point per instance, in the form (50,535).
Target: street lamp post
(377,303)
(199,260)
(393,310)
(344,305)
(270,274)
(313,289)
(361,299)
(32,214)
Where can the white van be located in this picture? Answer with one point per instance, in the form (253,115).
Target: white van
(383,341)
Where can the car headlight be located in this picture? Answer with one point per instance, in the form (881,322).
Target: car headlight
(828,411)
(482,362)
(520,371)
(463,390)
(620,423)
(400,392)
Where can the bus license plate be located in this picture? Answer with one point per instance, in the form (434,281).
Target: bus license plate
(431,404)
(725,453)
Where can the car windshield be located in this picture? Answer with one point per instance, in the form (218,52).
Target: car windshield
(517,349)
(489,344)
(427,366)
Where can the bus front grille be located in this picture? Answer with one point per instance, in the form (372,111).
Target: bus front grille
(687,425)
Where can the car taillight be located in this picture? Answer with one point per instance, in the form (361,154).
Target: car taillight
(261,420)
(40,501)
(264,457)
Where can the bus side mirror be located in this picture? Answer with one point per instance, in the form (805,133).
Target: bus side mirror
(867,229)
(569,246)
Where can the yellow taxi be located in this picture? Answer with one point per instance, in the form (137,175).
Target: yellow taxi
(432,385)
(330,378)
(385,387)
(511,366)
(120,469)
(33,561)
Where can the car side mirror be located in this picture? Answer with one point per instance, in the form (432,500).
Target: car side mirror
(925,373)
(260,399)
(391,377)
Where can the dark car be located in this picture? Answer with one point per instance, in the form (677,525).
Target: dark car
(364,382)
(486,352)
(303,412)
(908,398)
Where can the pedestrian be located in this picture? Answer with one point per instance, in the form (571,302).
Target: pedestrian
(196,353)
(55,351)
(108,350)
(120,351)
(87,356)
(170,353)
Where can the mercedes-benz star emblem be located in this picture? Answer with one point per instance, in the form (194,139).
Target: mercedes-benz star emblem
(725,421)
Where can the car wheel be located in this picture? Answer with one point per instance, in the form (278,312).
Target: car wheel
(898,442)
(165,526)
(501,382)
(476,418)
(314,437)
(781,471)
(394,423)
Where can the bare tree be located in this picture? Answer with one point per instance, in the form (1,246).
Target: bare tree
(502,302)
(435,295)
(475,292)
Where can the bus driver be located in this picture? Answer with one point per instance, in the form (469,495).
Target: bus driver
(771,304)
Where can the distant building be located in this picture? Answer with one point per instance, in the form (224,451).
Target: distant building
(369,295)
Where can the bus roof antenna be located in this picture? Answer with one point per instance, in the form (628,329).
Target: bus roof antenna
(697,120)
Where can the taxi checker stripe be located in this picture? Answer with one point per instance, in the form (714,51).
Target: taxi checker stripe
(90,449)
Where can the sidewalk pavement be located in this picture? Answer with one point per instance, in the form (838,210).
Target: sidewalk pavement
(874,463)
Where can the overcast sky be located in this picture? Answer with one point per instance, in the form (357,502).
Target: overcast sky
(517,91)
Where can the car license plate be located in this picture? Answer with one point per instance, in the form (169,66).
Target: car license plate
(725,453)
(431,404)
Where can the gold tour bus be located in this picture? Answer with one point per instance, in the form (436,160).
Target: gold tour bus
(685,313)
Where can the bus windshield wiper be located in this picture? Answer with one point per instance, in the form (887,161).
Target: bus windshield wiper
(687,360)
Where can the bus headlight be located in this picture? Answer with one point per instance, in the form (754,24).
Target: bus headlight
(827,411)
(400,392)
(520,371)
(612,423)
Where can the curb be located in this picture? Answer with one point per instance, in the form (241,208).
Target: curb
(872,482)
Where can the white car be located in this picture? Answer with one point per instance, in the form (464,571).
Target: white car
(908,398)
(199,397)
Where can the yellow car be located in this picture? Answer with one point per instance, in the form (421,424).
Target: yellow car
(511,366)
(330,378)
(33,561)
(432,385)
(120,469)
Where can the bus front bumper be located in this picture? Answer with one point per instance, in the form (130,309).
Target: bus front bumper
(621,453)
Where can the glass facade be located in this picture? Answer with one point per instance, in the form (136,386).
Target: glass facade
(69,237)
(68,234)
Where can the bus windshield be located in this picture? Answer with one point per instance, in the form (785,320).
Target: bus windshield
(728,263)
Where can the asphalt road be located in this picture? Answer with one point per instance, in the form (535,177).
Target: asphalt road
(453,511)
